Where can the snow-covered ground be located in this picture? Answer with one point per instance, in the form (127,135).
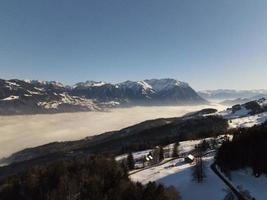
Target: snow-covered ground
(184,147)
(179,174)
(228,114)
(255,186)
(10,98)
(136,155)
(187,146)
(245,122)
(242,117)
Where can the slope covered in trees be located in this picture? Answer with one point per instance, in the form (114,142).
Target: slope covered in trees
(247,149)
(91,179)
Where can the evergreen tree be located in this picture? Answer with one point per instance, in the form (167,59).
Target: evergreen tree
(213,143)
(175,150)
(124,167)
(247,149)
(198,170)
(161,154)
(204,146)
(130,161)
(172,194)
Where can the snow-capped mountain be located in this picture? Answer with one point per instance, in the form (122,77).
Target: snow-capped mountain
(20,97)
(153,91)
(89,84)
(31,96)
(224,94)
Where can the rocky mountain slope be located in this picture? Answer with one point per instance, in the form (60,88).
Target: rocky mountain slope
(146,92)
(21,97)
(30,97)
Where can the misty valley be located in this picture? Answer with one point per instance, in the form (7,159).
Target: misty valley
(133,100)
(23,131)
(174,147)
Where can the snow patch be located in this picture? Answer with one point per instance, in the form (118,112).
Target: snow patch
(12,83)
(10,98)
(32,92)
(90,84)
(145,85)
(40,89)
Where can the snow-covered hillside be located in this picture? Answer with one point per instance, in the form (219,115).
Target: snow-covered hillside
(249,121)
(246,115)
(179,174)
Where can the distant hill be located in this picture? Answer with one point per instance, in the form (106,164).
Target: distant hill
(235,101)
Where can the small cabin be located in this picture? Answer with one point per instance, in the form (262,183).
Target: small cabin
(189,159)
(149,158)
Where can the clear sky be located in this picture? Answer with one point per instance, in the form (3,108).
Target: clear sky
(208,43)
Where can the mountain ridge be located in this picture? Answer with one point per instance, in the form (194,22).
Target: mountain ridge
(230,94)
(34,97)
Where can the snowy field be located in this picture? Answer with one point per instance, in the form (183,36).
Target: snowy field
(249,121)
(180,176)
(255,186)
(242,117)
(184,147)
(19,132)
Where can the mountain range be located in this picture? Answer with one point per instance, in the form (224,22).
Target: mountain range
(31,96)
(226,94)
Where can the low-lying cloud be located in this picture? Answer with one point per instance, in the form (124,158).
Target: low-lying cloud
(19,132)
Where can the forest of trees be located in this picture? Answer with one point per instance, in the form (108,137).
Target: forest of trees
(95,178)
(247,149)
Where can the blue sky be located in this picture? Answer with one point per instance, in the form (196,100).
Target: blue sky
(208,43)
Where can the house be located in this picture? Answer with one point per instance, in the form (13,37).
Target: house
(148,157)
(189,159)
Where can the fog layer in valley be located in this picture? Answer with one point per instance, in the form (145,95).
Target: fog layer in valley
(19,132)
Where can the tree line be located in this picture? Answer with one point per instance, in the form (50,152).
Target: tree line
(248,148)
(91,178)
